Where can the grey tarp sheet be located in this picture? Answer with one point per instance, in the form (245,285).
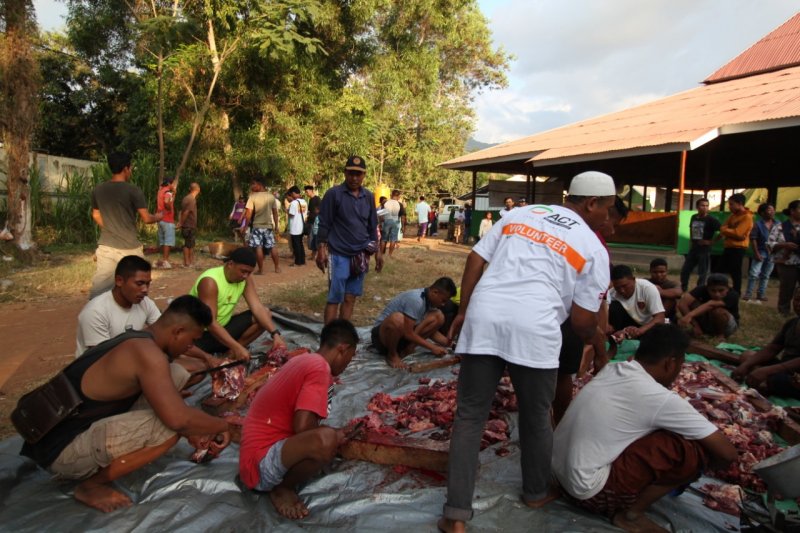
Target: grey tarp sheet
(174,494)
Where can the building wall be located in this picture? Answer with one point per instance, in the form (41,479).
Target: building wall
(52,169)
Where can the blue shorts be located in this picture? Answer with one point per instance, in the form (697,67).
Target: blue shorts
(166,233)
(270,468)
(390,230)
(340,280)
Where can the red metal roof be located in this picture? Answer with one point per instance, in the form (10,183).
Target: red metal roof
(684,121)
(779,49)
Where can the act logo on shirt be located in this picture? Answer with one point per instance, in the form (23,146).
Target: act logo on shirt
(561,221)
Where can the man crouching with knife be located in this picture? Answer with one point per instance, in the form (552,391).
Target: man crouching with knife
(283,444)
(131,411)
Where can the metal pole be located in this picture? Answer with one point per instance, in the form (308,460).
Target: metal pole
(474,186)
(682,182)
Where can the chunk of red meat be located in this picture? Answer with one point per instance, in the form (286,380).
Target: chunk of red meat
(228,383)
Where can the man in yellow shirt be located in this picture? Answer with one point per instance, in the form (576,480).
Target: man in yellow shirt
(221,288)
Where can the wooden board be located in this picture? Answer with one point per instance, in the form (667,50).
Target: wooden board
(789,430)
(385,450)
(706,350)
(417,368)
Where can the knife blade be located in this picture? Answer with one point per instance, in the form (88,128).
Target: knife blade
(228,365)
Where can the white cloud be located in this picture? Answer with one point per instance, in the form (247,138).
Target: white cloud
(582,58)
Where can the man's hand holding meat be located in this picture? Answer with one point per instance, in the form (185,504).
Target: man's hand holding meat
(221,288)
(141,414)
(413,318)
(283,443)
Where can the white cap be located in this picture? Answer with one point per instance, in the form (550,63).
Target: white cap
(592,183)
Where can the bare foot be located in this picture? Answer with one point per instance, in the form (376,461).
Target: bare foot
(287,503)
(101,496)
(636,522)
(451,526)
(552,494)
(258,273)
(277,270)
(394,361)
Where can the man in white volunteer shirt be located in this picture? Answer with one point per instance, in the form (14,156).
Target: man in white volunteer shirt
(544,263)
(627,440)
(635,304)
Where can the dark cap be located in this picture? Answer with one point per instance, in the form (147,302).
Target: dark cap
(355,162)
(522,199)
(243,256)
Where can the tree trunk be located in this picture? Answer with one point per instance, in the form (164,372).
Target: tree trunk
(227,149)
(19,75)
(200,114)
(160,119)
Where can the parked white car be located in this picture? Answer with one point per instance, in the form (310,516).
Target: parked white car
(444,214)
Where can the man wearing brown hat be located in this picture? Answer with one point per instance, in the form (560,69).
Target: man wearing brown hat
(348,235)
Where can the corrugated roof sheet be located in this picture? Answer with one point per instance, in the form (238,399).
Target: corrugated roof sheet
(779,49)
(683,121)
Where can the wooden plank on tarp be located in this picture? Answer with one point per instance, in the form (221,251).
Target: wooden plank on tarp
(417,368)
(706,350)
(407,451)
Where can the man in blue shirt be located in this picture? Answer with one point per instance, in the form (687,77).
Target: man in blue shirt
(348,235)
(410,319)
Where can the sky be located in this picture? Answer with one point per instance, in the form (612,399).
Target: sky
(577,59)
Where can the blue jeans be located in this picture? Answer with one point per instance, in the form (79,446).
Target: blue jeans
(760,270)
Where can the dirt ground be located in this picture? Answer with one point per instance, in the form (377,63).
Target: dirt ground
(38,335)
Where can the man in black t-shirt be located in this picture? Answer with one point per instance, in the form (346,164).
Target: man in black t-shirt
(115,204)
(701,228)
(711,309)
(769,373)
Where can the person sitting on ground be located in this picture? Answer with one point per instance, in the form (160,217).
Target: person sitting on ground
(410,319)
(711,309)
(669,290)
(123,308)
(773,368)
(634,305)
(111,434)
(221,288)
(283,443)
(127,307)
(627,440)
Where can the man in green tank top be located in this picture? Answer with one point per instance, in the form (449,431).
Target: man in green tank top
(221,288)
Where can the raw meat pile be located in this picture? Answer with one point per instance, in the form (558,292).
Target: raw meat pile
(432,407)
(747,428)
(723,497)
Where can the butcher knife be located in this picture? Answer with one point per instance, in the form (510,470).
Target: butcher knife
(232,363)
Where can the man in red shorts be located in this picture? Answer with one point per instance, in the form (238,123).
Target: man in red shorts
(627,440)
(283,444)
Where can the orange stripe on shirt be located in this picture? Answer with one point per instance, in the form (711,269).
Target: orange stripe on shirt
(576,260)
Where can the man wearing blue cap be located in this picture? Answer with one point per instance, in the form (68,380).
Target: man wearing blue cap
(347,237)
